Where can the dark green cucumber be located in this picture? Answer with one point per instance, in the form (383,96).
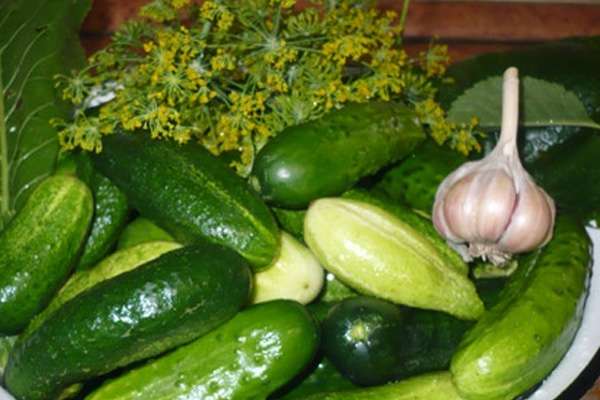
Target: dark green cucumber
(322,377)
(39,247)
(415,180)
(191,194)
(110,214)
(169,301)
(113,265)
(250,356)
(291,221)
(142,230)
(521,339)
(327,156)
(434,386)
(372,341)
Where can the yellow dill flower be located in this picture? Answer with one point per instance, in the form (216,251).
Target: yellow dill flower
(236,73)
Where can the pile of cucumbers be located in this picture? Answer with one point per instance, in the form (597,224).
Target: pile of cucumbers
(216,289)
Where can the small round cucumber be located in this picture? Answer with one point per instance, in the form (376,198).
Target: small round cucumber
(39,248)
(327,156)
(160,305)
(250,356)
(373,342)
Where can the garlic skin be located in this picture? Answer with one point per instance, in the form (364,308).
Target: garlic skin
(492,208)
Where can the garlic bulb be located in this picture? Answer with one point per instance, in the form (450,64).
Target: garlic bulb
(492,208)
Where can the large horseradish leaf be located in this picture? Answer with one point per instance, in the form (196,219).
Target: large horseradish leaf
(38,40)
(542,104)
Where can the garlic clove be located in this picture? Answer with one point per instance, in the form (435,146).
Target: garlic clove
(532,221)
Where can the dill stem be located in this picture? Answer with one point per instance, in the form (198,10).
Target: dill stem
(405,5)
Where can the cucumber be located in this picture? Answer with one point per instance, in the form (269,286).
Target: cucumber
(415,180)
(250,356)
(388,256)
(191,194)
(6,345)
(522,338)
(142,230)
(110,207)
(422,225)
(372,341)
(327,156)
(115,264)
(169,301)
(39,248)
(434,386)
(291,221)
(295,275)
(323,377)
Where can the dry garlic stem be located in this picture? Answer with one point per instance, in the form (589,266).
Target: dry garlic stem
(492,208)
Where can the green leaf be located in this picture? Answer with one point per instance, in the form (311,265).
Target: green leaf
(542,104)
(38,39)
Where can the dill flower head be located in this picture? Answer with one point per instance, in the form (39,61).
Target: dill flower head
(233,74)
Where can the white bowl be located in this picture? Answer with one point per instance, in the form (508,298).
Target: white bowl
(583,349)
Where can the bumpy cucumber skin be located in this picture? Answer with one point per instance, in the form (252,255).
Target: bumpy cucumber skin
(39,247)
(139,314)
(191,194)
(248,357)
(142,230)
(327,156)
(415,180)
(434,386)
(110,207)
(113,265)
(522,338)
(110,215)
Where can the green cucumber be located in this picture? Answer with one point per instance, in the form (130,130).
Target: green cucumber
(291,221)
(388,256)
(434,386)
(421,224)
(110,208)
(323,377)
(142,230)
(372,341)
(6,345)
(169,301)
(522,338)
(113,265)
(325,157)
(295,275)
(191,194)
(39,248)
(415,180)
(248,357)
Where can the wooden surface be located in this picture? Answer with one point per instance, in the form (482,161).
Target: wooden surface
(469,28)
